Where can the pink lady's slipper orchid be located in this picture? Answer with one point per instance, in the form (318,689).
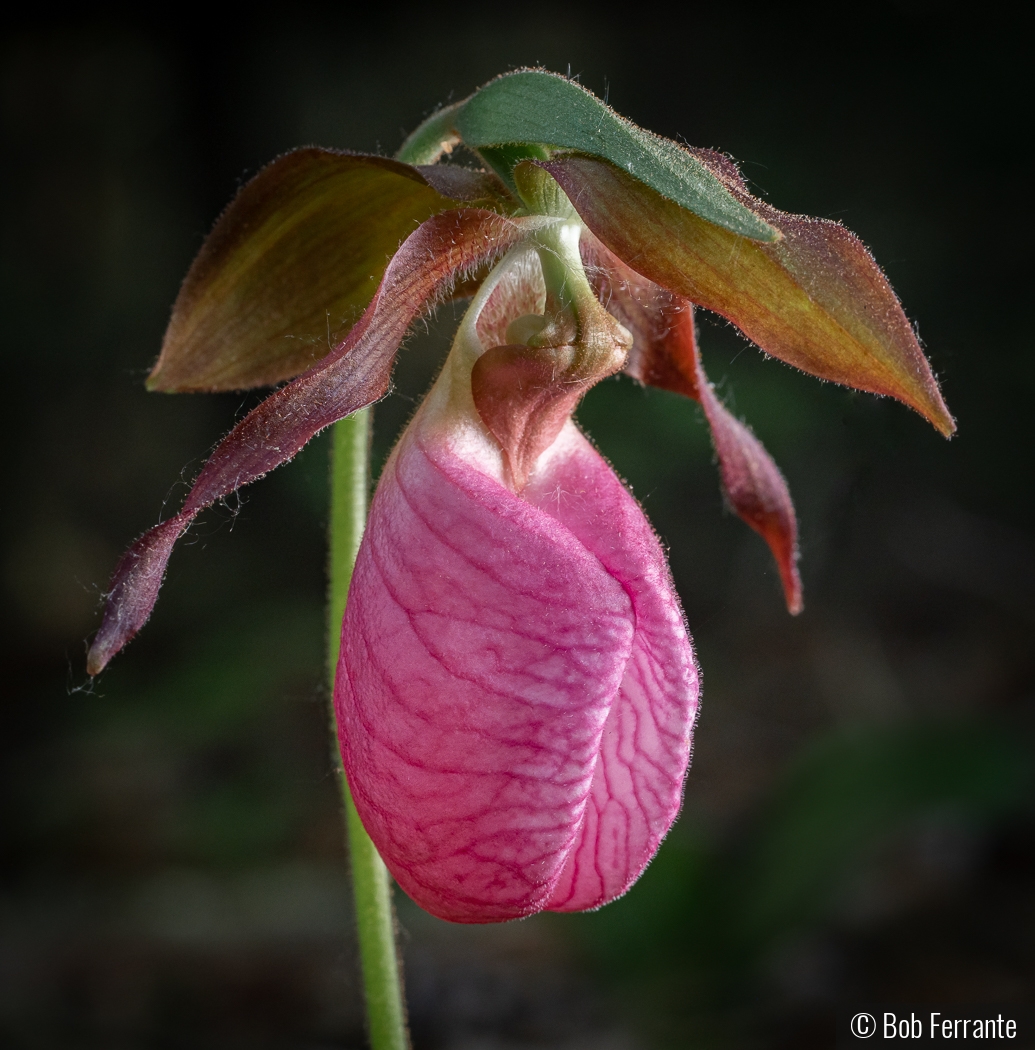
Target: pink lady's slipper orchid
(516,688)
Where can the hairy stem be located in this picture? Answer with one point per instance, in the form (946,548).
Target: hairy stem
(375,921)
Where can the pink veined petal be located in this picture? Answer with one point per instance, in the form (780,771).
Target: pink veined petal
(645,747)
(505,661)
(482,646)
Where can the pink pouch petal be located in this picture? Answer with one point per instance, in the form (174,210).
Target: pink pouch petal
(505,660)
(482,646)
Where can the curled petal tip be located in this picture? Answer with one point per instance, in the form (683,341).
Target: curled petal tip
(134,590)
(757,491)
(96,661)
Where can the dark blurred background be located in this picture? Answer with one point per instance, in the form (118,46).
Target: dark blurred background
(859,820)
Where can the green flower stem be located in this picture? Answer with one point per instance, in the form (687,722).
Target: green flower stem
(375,921)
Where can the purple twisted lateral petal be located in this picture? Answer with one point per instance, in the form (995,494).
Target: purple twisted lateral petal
(355,374)
(665,355)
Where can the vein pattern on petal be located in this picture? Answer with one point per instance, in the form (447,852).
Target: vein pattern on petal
(482,646)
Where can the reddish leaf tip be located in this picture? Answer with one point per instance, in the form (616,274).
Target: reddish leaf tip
(96,661)
(941,419)
(790,579)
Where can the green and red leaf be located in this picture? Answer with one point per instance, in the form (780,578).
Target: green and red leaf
(292,263)
(815,299)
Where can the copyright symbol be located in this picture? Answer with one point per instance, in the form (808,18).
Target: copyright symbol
(863,1025)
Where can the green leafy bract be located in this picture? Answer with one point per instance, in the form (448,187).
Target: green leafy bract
(533,107)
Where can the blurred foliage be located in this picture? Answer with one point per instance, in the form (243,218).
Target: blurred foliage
(859,820)
(690,944)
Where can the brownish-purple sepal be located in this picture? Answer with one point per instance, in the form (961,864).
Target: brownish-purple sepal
(753,483)
(644,308)
(815,298)
(353,375)
(293,261)
(665,354)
